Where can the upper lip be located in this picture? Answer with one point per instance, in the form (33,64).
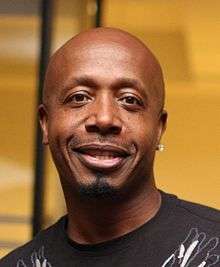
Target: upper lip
(118,151)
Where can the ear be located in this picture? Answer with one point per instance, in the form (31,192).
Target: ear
(162,124)
(43,118)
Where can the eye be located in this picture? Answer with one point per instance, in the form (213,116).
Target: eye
(79,98)
(131,101)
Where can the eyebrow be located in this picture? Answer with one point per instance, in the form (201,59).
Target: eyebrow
(75,81)
(124,82)
(84,80)
(128,82)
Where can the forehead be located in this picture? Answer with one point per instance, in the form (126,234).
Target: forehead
(105,62)
(91,50)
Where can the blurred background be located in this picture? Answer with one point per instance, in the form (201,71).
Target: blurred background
(184,34)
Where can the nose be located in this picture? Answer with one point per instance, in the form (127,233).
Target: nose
(104,118)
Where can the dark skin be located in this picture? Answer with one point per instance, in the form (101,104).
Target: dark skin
(102,116)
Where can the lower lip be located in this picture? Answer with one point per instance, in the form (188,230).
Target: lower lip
(101,164)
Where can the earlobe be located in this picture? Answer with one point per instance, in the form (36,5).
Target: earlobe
(43,118)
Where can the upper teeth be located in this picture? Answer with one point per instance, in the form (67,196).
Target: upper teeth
(103,157)
(101,153)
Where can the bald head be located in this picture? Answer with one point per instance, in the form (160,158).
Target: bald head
(105,40)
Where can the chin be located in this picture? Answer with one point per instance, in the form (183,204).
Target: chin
(100,189)
(100,186)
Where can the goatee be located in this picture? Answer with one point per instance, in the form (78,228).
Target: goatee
(99,189)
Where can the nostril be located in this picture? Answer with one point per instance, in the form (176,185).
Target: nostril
(93,128)
(103,124)
(115,129)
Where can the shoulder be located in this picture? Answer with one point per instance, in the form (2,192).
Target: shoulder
(16,256)
(193,212)
(32,249)
(201,211)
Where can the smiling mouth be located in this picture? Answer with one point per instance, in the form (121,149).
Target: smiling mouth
(101,157)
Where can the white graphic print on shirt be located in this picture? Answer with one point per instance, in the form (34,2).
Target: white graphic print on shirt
(37,259)
(194,251)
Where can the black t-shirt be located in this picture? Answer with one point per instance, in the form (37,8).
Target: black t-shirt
(181,234)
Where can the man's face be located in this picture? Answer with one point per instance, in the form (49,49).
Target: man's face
(102,122)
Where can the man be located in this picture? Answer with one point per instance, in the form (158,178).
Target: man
(103,118)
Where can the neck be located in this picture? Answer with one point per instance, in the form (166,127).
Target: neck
(95,222)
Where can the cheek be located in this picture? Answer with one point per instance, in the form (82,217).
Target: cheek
(59,130)
(145,136)
(59,127)
(64,126)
